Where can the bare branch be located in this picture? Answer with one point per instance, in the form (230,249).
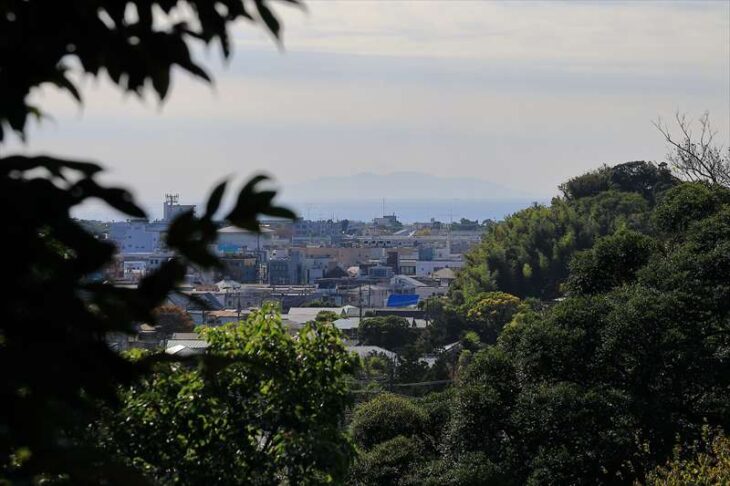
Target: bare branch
(696,159)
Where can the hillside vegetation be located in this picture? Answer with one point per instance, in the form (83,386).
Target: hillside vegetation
(599,387)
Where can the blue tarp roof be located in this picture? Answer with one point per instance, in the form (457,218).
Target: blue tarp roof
(402,300)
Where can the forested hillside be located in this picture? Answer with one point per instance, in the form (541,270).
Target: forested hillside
(599,386)
(528,254)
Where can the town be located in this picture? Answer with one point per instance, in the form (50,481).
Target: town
(357,269)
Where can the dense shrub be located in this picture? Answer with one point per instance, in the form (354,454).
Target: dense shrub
(386,417)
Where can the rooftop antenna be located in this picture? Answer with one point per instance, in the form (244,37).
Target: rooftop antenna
(383,207)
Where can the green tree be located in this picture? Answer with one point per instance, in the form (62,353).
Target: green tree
(686,204)
(528,254)
(388,463)
(708,464)
(377,366)
(613,261)
(447,320)
(410,458)
(390,332)
(490,312)
(586,185)
(386,417)
(272,413)
(641,177)
(598,388)
(327,316)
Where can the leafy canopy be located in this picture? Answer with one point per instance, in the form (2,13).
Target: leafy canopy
(390,332)
(269,410)
(529,253)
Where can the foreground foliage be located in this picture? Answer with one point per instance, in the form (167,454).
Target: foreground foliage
(270,412)
(58,311)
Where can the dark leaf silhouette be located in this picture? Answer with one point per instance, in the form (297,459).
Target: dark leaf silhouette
(58,310)
(214,201)
(38,38)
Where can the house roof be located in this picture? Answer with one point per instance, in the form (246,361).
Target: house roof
(185,335)
(229,313)
(184,302)
(455,346)
(301,315)
(365,351)
(180,350)
(228,284)
(188,343)
(404,300)
(234,229)
(405,279)
(351,310)
(347,323)
(445,273)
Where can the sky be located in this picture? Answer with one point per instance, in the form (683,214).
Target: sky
(522,94)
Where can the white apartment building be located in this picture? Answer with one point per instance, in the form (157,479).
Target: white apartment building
(137,236)
(426,268)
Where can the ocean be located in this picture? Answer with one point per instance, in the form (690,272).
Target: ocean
(414,210)
(407,210)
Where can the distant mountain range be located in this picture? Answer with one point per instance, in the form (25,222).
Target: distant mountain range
(397,185)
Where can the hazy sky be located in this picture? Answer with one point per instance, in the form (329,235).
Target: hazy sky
(524,94)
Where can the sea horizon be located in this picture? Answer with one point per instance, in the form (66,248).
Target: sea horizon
(407,210)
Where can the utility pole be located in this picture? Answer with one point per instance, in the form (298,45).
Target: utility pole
(238,307)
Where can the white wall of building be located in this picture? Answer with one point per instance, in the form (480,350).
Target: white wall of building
(424,268)
(136,236)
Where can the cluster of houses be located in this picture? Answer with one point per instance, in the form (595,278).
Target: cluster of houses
(190,343)
(353,268)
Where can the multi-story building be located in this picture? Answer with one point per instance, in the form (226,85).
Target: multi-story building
(143,236)
(320,233)
(278,272)
(137,236)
